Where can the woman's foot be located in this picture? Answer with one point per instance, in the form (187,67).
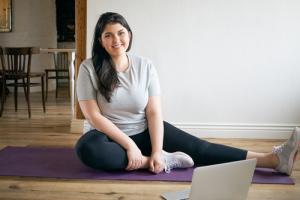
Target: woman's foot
(287,152)
(177,160)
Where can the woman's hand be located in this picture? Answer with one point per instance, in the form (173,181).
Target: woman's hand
(135,158)
(156,162)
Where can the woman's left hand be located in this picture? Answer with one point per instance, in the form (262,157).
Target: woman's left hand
(156,162)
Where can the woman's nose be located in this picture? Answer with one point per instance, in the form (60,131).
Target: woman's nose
(116,38)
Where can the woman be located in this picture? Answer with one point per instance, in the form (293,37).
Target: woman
(118,94)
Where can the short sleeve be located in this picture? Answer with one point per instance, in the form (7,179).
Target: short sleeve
(154,87)
(84,86)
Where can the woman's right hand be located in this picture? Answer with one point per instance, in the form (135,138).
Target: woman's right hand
(135,158)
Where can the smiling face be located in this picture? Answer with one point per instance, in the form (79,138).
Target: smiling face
(115,39)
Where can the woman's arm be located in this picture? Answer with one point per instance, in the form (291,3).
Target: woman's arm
(92,113)
(155,125)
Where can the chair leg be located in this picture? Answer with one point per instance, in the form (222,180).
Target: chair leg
(43,96)
(46,85)
(26,92)
(25,89)
(56,90)
(3,96)
(2,105)
(16,95)
(28,99)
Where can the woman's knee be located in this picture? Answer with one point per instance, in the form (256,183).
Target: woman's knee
(95,158)
(88,140)
(95,151)
(86,148)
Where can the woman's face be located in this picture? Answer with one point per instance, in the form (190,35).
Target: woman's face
(115,39)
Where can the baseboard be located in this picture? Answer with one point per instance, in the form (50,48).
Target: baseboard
(251,131)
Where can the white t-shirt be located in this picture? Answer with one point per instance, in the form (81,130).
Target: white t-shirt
(128,101)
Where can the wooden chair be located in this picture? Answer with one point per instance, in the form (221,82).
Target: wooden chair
(17,73)
(2,81)
(60,71)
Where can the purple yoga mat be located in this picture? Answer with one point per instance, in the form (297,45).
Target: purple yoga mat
(63,163)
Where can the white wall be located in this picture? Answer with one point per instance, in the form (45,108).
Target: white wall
(33,24)
(227,68)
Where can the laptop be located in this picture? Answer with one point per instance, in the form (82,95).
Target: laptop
(227,181)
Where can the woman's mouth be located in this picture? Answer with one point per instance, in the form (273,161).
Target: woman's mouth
(116,46)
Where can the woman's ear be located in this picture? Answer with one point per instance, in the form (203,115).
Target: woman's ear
(129,34)
(99,39)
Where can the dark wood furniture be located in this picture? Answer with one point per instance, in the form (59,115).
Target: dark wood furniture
(16,69)
(2,81)
(60,71)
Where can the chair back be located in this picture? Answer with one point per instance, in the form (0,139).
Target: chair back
(18,60)
(61,61)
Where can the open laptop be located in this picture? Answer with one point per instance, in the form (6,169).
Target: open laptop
(227,181)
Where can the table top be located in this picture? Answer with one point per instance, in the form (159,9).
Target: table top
(53,50)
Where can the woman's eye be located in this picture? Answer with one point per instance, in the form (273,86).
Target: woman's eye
(107,35)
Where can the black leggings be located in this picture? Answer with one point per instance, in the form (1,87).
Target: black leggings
(98,151)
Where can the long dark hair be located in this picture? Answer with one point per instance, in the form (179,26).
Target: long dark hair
(104,67)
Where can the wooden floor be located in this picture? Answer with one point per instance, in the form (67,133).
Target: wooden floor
(53,129)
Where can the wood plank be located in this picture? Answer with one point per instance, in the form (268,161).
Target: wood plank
(53,129)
